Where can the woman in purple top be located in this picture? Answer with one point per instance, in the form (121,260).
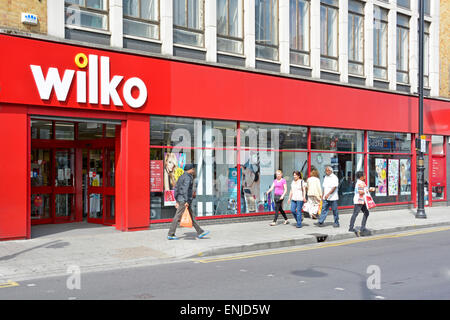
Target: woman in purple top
(280,187)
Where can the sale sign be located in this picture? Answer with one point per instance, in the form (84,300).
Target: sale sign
(156,176)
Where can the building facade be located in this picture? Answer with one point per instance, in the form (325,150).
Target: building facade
(102,107)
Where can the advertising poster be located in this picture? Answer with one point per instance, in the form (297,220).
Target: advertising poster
(393,177)
(156,176)
(405,177)
(438,171)
(380,178)
(173,169)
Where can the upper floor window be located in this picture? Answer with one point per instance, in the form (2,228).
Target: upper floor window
(230,26)
(329,34)
(188,25)
(426,4)
(402,48)
(87,13)
(404,3)
(380,33)
(299,31)
(140,18)
(355,37)
(266,28)
(426,54)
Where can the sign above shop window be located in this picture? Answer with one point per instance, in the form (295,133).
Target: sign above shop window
(88,76)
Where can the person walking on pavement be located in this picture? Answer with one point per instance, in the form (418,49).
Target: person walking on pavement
(330,197)
(297,197)
(359,202)
(280,186)
(314,191)
(183,197)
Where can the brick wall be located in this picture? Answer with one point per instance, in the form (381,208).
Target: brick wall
(10,14)
(444,51)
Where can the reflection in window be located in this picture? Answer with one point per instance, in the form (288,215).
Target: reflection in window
(266,28)
(356,37)
(229,26)
(41,129)
(380,23)
(87,13)
(64,130)
(337,140)
(329,35)
(188,25)
(402,48)
(389,142)
(299,31)
(344,167)
(140,18)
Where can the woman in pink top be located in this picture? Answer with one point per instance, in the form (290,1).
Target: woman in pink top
(280,187)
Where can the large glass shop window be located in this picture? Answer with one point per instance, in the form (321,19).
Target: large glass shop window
(390,166)
(210,145)
(264,149)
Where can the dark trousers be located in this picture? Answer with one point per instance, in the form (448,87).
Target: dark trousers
(279,208)
(178,214)
(356,210)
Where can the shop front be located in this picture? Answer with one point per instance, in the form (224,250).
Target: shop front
(102,136)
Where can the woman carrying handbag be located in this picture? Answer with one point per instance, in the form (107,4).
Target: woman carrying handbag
(360,201)
(314,192)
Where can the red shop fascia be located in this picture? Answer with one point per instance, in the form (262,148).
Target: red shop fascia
(41,77)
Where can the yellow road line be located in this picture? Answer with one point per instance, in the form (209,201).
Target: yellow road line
(9,284)
(327,245)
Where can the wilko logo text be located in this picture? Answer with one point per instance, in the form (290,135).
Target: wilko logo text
(90,79)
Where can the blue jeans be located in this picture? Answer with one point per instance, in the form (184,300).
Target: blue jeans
(296,209)
(334,206)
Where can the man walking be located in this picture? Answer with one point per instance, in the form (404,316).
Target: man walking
(330,197)
(183,197)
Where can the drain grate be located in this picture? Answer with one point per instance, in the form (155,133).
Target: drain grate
(320,237)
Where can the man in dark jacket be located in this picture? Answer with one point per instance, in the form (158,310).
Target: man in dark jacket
(183,197)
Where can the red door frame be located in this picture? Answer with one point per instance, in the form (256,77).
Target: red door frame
(77,145)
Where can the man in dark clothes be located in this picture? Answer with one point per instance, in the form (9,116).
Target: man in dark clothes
(183,197)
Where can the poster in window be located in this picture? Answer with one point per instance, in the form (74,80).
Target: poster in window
(393,177)
(156,176)
(173,169)
(405,177)
(380,178)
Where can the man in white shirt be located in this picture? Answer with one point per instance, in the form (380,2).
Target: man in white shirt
(330,197)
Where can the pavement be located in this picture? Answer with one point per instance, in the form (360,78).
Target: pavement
(54,249)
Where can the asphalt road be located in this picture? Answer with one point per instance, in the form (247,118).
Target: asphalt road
(413,266)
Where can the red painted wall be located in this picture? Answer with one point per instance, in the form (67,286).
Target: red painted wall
(14,197)
(186,89)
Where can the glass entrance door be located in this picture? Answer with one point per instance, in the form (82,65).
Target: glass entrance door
(100,185)
(64,187)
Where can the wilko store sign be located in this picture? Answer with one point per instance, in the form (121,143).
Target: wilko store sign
(87,83)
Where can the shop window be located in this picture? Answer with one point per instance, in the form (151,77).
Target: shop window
(337,140)
(188,133)
(64,131)
(215,183)
(437,145)
(65,164)
(299,32)
(87,13)
(391,176)
(230,26)
(344,167)
(41,129)
(110,131)
(40,206)
(266,29)
(40,167)
(188,24)
(389,142)
(90,131)
(140,18)
(274,137)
